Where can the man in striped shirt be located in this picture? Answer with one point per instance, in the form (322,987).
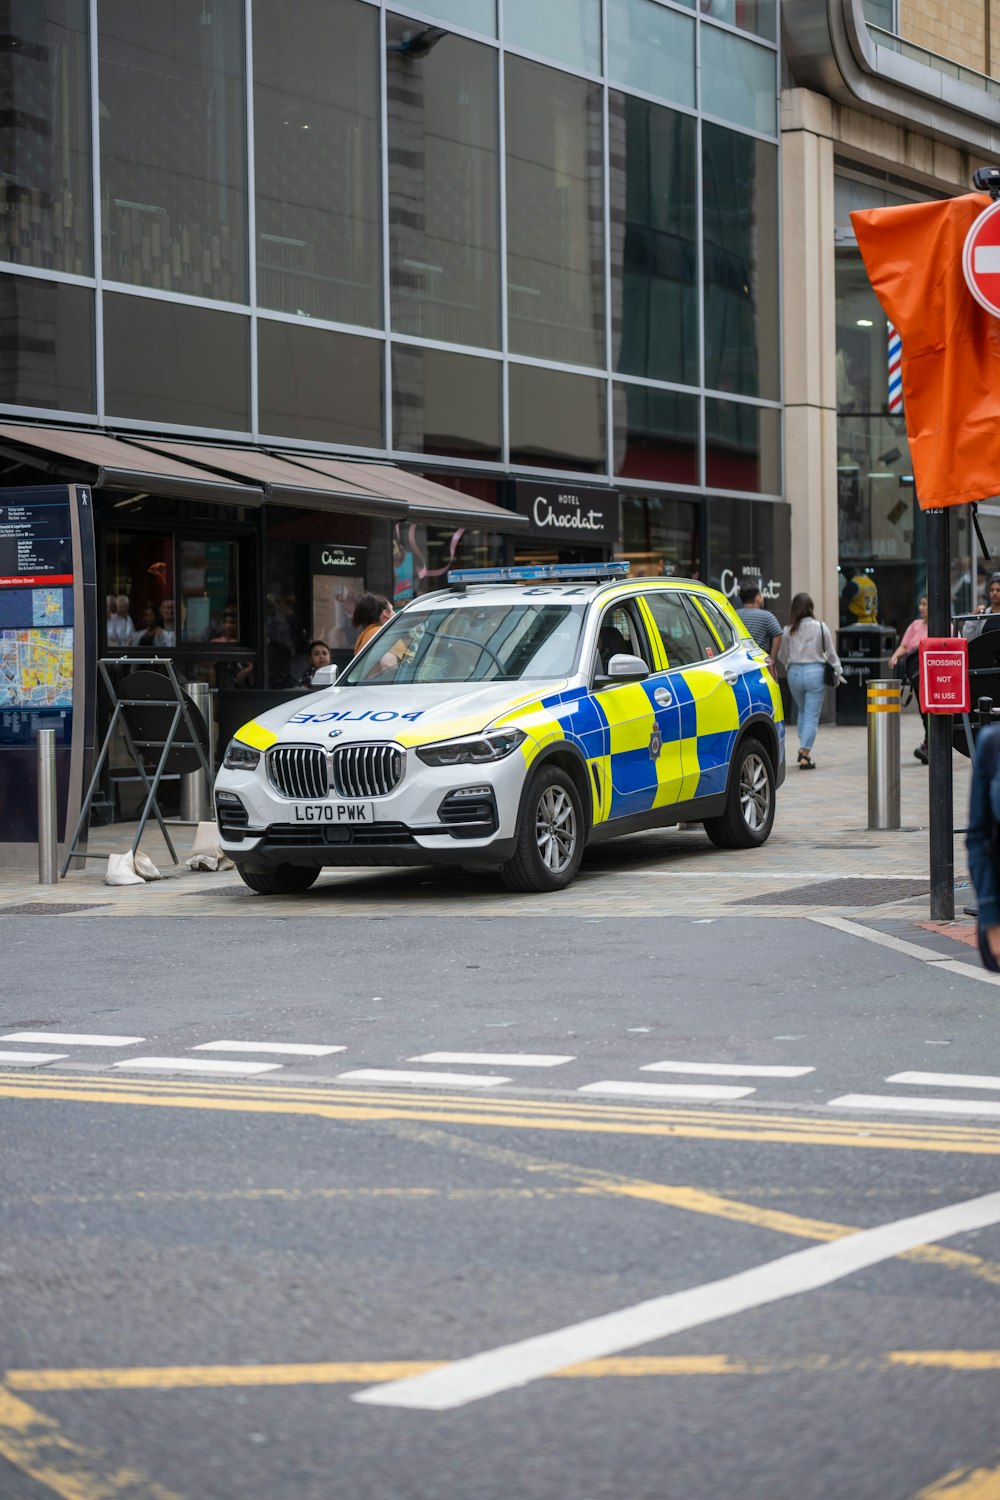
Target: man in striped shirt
(760,622)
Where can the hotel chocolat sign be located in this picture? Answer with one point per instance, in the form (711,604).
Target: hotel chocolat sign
(564,513)
(334,558)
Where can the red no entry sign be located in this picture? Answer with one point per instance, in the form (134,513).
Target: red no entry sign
(981,260)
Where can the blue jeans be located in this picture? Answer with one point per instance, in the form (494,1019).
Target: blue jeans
(805,683)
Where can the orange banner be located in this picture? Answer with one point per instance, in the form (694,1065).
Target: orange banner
(951,345)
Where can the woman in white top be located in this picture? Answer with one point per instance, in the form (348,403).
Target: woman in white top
(806,646)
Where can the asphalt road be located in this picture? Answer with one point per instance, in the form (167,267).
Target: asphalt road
(201,1271)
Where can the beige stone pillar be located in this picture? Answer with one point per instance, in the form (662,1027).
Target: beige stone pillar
(807,232)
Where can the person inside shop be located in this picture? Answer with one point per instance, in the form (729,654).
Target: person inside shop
(120,626)
(987,616)
(906,656)
(231,674)
(319,656)
(229,633)
(151,632)
(168,616)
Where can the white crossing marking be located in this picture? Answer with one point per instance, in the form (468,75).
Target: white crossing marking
(913,950)
(916,1105)
(501,1059)
(986,259)
(666,1090)
(72,1038)
(726,1070)
(193,1065)
(948,1080)
(32,1058)
(518,1364)
(291,1049)
(400,1075)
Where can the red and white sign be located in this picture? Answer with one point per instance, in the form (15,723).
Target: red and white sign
(944,675)
(981,259)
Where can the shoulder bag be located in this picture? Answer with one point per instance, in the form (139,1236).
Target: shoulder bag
(830,677)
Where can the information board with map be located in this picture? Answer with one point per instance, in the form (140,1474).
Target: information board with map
(36,616)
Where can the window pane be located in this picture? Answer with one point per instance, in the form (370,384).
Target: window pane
(556,420)
(173,146)
(656,434)
(742,447)
(445,403)
(139,572)
(750,15)
(676,632)
(316,159)
(660,537)
(48,344)
(741,263)
(751,543)
(567,30)
(738,80)
(473,15)
(654,262)
(45,217)
(708,645)
(165,362)
(319,386)
(652,49)
(555,245)
(444,187)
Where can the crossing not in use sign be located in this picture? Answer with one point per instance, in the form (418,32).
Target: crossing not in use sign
(981,260)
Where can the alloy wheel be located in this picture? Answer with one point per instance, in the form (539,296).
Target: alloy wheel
(555,829)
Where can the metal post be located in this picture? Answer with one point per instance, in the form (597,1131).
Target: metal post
(196,789)
(47,807)
(941,809)
(883,753)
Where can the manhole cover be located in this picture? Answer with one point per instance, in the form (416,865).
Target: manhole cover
(50,908)
(223,890)
(849,892)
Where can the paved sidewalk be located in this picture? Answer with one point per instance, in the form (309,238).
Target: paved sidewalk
(820,838)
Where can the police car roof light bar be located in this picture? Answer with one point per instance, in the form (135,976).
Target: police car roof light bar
(458,578)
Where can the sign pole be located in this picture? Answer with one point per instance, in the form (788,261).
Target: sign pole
(939,728)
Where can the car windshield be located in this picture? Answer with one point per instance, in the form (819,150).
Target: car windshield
(470,643)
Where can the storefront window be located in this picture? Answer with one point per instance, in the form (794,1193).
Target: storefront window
(654,284)
(555,238)
(422,557)
(209,593)
(141,591)
(444,186)
(740,190)
(45,218)
(750,542)
(316,159)
(660,537)
(173,146)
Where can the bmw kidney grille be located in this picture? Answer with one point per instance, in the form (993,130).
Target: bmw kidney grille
(309,772)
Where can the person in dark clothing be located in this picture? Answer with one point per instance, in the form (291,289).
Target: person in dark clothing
(760,622)
(981,843)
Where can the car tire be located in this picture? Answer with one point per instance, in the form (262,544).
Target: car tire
(282,880)
(749,812)
(550,835)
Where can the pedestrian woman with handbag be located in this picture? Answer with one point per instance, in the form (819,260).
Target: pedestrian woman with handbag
(812,665)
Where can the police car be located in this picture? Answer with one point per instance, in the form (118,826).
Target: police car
(508,722)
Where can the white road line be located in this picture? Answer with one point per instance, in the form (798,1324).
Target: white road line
(915,1105)
(72,1038)
(665,1090)
(912,950)
(32,1059)
(726,1070)
(948,1080)
(517,1364)
(192,1065)
(291,1049)
(501,1059)
(425,1080)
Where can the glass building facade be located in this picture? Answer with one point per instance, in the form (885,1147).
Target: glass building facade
(495,237)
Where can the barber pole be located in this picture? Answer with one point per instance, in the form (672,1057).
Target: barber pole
(895,372)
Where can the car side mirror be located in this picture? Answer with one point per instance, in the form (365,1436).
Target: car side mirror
(324,677)
(625,668)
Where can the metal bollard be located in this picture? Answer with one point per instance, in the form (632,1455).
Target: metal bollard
(47,807)
(196,789)
(883,753)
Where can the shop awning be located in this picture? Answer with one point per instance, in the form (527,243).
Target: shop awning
(103,462)
(426,502)
(285,482)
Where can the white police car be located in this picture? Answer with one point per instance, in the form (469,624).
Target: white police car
(508,722)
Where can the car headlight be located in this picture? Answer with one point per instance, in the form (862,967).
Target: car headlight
(240,757)
(473,749)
